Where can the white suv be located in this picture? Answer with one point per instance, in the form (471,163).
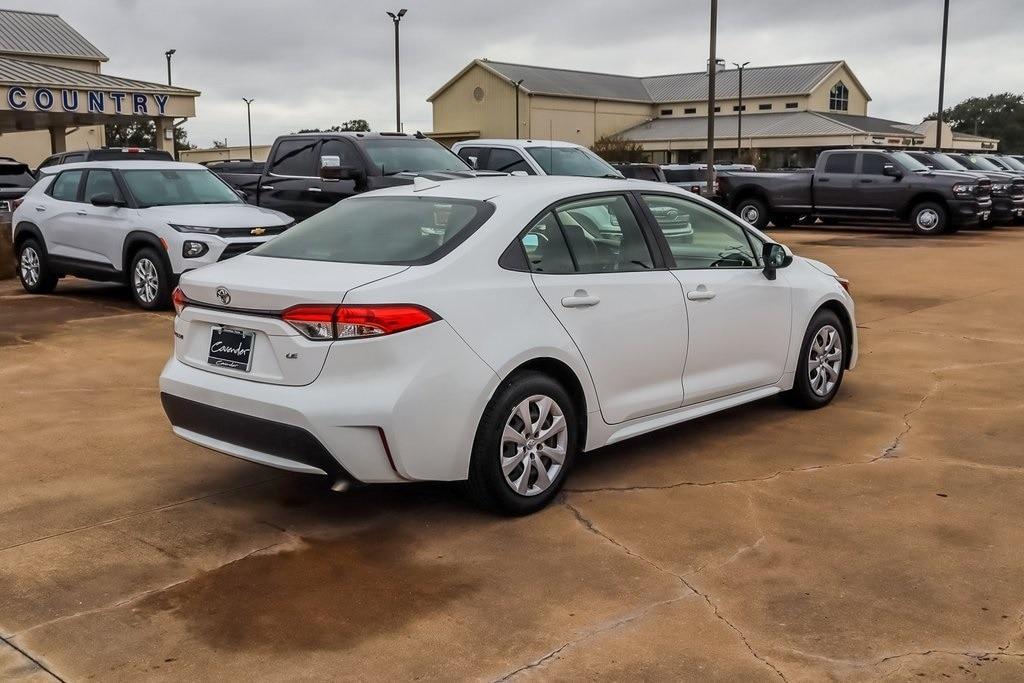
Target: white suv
(534,157)
(140,222)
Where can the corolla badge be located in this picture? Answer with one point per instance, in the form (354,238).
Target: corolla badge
(224,295)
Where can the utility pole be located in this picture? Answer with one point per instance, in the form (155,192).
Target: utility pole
(248,116)
(712,72)
(397,19)
(739,117)
(942,75)
(168,55)
(517,84)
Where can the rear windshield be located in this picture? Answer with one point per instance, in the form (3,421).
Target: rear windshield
(15,175)
(382,230)
(412,155)
(688,175)
(119,155)
(172,187)
(572,161)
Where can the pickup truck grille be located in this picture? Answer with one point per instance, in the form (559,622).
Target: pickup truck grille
(237,249)
(1017,189)
(983,189)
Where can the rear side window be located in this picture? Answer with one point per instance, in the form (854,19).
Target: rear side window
(383,230)
(841,163)
(15,175)
(295,157)
(119,154)
(65,187)
(687,175)
(645,173)
(604,236)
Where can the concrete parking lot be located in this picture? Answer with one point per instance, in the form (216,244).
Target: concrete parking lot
(880,538)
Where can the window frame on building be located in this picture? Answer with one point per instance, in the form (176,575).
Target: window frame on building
(839,97)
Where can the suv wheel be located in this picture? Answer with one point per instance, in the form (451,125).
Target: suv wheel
(34,272)
(822,362)
(150,280)
(929,218)
(524,446)
(754,212)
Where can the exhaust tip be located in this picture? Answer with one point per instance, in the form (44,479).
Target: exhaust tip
(341,485)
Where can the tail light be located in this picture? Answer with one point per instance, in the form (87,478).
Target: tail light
(179,300)
(15,203)
(328,322)
(844,283)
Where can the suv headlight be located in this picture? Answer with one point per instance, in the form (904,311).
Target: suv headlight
(1000,189)
(195,228)
(964,190)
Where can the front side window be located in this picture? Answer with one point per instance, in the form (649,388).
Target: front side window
(65,187)
(381,230)
(335,148)
(571,161)
(411,155)
(507,161)
(101,182)
(841,163)
(73,158)
(604,236)
(839,97)
(873,164)
(545,247)
(173,187)
(295,157)
(698,237)
(908,162)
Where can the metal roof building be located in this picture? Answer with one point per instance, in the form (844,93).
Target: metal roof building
(54,96)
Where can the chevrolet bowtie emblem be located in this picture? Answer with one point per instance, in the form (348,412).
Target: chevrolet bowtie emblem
(256,232)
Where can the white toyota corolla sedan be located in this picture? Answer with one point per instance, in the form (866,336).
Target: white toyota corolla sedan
(491,329)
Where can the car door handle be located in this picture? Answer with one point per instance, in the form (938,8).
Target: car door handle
(580,299)
(700,294)
(314,189)
(267,187)
(40,208)
(81,213)
(824,180)
(866,180)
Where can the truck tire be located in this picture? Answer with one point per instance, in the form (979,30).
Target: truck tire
(929,218)
(753,211)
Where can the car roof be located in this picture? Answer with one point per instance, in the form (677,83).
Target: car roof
(516,143)
(126,164)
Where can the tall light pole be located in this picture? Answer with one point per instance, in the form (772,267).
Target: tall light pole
(397,19)
(168,55)
(739,114)
(712,72)
(942,75)
(516,84)
(248,116)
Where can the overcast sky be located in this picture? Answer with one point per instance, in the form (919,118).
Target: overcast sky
(317,63)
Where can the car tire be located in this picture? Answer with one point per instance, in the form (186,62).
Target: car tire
(521,475)
(149,279)
(929,218)
(817,382)
(34,272)
(753,211)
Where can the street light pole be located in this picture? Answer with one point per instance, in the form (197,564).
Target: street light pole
(248,116)
(517,84)
(396,19)
(942,75)
(739,112)
(168,55)
(712,72)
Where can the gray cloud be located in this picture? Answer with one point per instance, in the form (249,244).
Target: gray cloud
(316,63)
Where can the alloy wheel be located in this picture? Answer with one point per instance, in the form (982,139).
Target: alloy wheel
(30,266)
(927,219)
(146,280)
(533,445)
(825,360)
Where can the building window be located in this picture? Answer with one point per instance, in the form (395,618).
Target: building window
(666,112)
(478,94)
(718,109)
(690,110)
(737,107)
(764,107)
(839,97)
(791,105)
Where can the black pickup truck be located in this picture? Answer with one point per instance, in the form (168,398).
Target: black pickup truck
(306,173)
(861,184)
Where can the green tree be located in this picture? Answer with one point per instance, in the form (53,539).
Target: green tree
(617,150)
(998,116)
(354,125)
(142,133)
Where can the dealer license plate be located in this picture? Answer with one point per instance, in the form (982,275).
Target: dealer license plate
(231,348)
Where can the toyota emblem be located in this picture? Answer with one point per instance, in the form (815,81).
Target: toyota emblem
(224,295)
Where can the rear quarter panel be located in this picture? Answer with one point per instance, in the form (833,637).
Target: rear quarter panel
(783,190)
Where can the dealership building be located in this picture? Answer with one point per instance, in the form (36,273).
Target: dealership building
(790,112)
(54,96)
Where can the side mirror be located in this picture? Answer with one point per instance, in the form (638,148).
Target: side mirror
(105,199)
(891,171)
(240,193)
(775,256)
(474,162)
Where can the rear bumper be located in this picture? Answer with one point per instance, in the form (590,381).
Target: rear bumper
(397,408)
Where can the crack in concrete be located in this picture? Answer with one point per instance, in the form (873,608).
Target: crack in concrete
(954,653)
(592,528)
(898,441)
(24,653)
